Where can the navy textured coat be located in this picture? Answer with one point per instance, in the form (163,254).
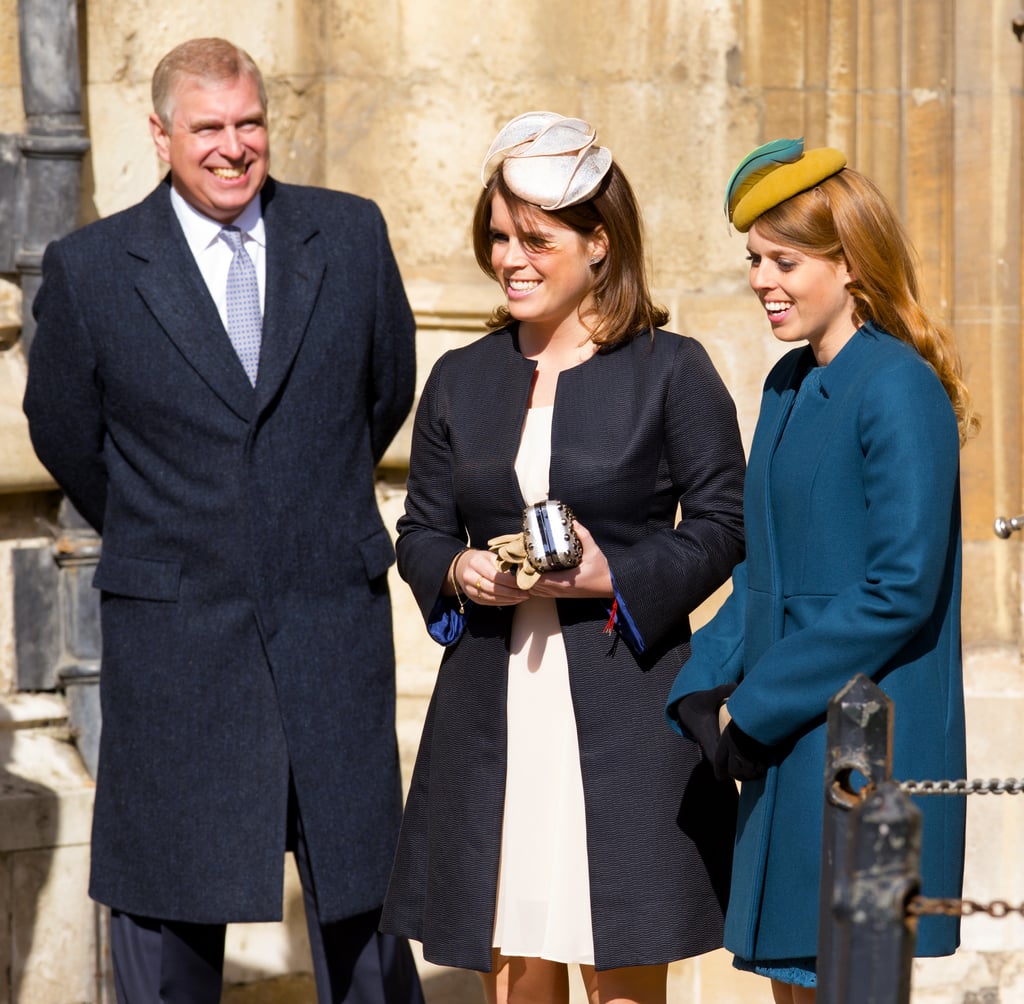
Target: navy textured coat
(636,431)
(245,613)
(852,510)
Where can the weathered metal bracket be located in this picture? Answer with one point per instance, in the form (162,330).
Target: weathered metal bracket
(10,186)
(57,624)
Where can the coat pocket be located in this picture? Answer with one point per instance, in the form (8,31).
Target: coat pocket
(139,578)
(378,553)
(804,610)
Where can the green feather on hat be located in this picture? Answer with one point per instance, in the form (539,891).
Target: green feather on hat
(773,173)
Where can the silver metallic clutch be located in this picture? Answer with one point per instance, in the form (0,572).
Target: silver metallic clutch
(550,538)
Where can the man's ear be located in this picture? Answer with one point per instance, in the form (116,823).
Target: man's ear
(161,138)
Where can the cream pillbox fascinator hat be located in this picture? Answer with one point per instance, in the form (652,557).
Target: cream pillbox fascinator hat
(548,160)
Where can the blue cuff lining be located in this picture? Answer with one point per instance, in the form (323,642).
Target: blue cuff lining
(626,625)
(445,624)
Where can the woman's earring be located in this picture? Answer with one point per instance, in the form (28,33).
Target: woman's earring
(594,261)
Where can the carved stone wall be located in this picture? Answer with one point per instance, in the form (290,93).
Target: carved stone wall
(398,102)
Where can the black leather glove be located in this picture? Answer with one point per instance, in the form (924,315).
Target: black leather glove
(740,757)
(698,715)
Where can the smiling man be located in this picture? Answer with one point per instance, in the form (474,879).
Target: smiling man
(215,374)
(211,130)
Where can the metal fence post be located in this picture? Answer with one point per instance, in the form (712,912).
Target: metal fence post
(858,751)
(877,934)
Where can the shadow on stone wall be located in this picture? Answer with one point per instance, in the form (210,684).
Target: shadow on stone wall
(453,986)
(248,978)
(29,823)
(291,982)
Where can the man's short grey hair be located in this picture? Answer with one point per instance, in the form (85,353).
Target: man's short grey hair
(214,60)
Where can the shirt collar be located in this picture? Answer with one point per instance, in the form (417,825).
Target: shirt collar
(201,232)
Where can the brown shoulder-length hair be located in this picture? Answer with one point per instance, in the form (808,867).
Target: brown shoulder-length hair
(212,60)
(622,304)
(846,218)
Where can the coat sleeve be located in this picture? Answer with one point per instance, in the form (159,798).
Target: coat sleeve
(63,396)
(431,532)
(910,445)
(394,350)
(716,650)
(666,574)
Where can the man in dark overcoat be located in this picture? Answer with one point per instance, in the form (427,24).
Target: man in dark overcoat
(214,403)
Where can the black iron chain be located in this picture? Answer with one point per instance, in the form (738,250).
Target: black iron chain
(994,786)
(921,906)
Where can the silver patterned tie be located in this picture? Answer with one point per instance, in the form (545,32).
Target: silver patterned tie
(245,323)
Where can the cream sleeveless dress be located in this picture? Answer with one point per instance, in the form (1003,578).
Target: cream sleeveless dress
(543,904)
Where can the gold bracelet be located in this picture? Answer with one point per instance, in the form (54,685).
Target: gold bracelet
(453,568)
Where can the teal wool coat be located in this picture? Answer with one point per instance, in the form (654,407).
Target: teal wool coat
(852,517)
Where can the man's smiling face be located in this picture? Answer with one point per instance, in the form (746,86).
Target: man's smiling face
(217,145)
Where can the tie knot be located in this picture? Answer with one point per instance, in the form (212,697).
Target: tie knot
(233,236)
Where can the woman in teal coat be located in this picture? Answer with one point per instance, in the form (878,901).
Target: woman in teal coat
(852,514)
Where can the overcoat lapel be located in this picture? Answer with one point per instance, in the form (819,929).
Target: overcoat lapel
(170,283)
(295,272)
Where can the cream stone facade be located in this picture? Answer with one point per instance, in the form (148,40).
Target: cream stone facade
(398,101)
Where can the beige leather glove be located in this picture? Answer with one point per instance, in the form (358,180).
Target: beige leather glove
(510,549)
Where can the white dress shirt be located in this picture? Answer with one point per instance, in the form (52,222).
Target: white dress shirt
(213,254)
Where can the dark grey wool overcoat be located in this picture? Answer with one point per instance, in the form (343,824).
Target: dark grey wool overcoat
(245,613)
(636,431)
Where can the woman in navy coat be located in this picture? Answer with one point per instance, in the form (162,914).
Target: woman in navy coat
(852,513)
(548,822)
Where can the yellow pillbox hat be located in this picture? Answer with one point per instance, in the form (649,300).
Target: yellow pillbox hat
(773,173)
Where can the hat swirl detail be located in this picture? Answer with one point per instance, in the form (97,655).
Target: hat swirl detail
(548,160)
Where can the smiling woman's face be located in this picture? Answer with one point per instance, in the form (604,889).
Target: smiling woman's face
(806,298)
(544,267)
